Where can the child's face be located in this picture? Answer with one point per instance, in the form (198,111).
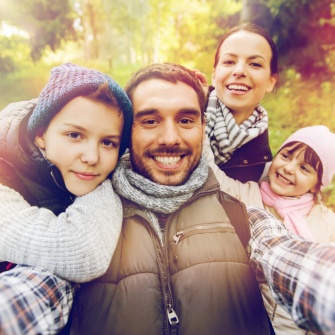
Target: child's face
(83,141)
(243,74)
(290,175)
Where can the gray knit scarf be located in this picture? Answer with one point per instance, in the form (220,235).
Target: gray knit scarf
(224,134)
(152,196)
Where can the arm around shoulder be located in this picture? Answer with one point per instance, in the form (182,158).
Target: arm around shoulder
(76,245)
(246,192)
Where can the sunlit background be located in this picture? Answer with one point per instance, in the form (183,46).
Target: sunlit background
(118,37)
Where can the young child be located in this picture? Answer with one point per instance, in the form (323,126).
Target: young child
(64,146)
(245,69)
(291,192)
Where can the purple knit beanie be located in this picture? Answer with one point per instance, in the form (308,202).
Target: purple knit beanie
(69,81)
(322,141)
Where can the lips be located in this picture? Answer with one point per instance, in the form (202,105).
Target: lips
(168,160)
(238,87)
(85,176)
(168,157)
(283,180)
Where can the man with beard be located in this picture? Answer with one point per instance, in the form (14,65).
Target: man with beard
(179,266)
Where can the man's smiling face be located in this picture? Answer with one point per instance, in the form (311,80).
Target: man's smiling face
(167,132)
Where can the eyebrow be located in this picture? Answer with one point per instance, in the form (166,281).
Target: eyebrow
(74,126)
(250,57)
(82,129)
(113,136)
(256,56)
(145,112)
(191,111)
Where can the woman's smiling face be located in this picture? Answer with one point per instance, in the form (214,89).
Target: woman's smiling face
(243,75)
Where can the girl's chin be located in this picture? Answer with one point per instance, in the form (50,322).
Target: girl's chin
(276,188)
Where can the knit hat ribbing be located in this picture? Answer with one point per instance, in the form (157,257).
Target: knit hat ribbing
(69,81)
(322,141)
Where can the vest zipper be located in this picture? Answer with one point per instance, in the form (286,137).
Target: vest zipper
(210,190)
(171,321)
(190,230)
(171,314)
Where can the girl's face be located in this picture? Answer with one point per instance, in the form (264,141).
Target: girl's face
(83,141)
(243,74)
(289,174)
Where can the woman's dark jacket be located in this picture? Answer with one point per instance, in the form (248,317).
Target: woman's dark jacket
(247,163)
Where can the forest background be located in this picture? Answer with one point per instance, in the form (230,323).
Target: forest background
(118,37)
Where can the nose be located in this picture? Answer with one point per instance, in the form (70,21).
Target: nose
(90,154)
(239,70)
(169,134)
(289,168)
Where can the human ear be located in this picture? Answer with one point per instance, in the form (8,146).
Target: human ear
(272,82)
(213,77)
(39,139)
(204,135)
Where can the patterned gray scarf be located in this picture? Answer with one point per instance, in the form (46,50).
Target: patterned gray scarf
(152,196)
(224,134)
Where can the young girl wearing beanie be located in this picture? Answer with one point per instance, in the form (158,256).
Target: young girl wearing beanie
(304,164)
(56,155)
